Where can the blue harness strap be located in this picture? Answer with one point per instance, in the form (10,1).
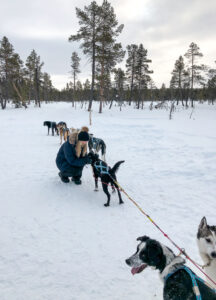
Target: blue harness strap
(100,168)
(194,279)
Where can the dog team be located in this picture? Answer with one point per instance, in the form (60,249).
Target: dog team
(72,157)
(60,129)
(180,282)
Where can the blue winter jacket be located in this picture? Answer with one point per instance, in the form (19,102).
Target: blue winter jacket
(66,157)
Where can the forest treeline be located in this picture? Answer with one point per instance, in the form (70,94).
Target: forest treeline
(98,33)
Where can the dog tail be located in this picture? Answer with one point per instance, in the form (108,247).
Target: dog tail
(116,167)
(103,148)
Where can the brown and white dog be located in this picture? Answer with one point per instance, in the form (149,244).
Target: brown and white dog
(206,240)
(61,126)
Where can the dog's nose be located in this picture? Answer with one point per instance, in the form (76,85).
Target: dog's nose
(213,254)
(127,261)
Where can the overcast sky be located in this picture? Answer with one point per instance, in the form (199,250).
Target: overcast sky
(165,28)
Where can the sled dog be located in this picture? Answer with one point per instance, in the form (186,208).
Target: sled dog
(96,145)
(51,125)
(173,272)
(61,126)
(107,174)
(206,240)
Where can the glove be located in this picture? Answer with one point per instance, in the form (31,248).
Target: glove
(88,160)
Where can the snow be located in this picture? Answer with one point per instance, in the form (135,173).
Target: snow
(58,241)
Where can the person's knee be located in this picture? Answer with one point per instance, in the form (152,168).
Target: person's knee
(78,172)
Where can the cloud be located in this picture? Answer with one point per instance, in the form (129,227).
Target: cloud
(165,27)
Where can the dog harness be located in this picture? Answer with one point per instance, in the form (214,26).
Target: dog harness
(194,279)
(101,168)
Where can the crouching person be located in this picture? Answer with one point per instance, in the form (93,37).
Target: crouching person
(72,156)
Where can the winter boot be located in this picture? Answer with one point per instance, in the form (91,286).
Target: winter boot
(76,180)
(63,178)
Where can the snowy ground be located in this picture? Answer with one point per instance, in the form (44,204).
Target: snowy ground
(58,241)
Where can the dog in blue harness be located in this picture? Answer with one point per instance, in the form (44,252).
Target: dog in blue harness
(180,283)
(106,174)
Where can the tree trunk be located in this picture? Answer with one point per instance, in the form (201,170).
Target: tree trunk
(192,80)
(2,100)
(101,85)
(101,90)
(111,103)
(172,109)
(74,90)
(139,95)
(37,89)
(131,88)
(93,69)
(19,95)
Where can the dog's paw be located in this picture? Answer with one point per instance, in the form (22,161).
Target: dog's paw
(96,190)
(106,204)
(121,202)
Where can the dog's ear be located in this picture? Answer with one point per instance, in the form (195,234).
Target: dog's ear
(143,238)
(203,223)
(203,229)
(154,252)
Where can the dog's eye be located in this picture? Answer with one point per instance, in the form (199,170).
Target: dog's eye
(208,241)
(142,255)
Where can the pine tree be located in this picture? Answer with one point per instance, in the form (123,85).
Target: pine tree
(87,85)
(88,31)
(130,65)
(119,79)
(33,71)
(194,69)
(18,82)
(212,84)
(152,95)
(46,86)
(142,71)
(75,62)
(6,57)
(162,94)
(86,89)
(11,74)
(179,78)
(79,90)
(109,53)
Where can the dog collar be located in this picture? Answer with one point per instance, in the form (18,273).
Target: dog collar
(172,265)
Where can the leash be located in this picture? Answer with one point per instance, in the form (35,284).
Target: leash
(194,279)
(182,251)
(202,266)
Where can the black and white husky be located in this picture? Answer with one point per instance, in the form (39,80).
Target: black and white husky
(206,240)
(176,276)
(96,145)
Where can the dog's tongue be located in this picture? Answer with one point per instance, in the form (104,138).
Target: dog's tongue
(138,269)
